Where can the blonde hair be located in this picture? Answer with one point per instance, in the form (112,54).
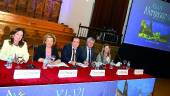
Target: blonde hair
(108,54)
(49,35)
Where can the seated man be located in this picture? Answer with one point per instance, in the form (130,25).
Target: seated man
(87,55)
(70,52)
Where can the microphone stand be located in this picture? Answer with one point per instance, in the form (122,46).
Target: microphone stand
(74,67)
(117,57)
(31,65)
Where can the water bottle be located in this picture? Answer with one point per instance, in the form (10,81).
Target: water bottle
(124,66)
(128,64)
(9,63)
(97,65)
(111,64)
(45,63)
(52,58)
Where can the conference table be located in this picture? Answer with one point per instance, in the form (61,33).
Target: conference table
(82,85)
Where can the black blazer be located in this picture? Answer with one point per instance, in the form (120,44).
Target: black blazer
(67,52)
(40,52)
(83,50)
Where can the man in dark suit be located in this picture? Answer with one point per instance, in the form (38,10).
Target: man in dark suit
(87,55)
(70,52)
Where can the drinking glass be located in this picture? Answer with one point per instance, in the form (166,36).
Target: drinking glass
(111,64)
(97,65)
(19,60)
(128,64)
(45,63)
(52,58)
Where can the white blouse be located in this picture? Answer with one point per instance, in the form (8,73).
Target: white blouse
(8,51)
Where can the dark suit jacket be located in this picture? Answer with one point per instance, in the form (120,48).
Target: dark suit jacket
(82,57)
(40,52)
(67,52)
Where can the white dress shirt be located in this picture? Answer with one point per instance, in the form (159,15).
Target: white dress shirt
(88,49)
(73,59)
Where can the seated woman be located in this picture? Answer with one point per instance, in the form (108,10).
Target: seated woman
(15,47)
(104,57)
(47,49)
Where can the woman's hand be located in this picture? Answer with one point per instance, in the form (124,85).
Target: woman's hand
(19,60)
(86,63)
(56,62)
(41,60)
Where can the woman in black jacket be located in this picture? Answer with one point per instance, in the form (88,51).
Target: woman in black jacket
(47,50)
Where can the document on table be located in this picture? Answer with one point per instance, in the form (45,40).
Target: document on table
(58,65)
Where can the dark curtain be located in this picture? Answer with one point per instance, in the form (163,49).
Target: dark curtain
(109,14)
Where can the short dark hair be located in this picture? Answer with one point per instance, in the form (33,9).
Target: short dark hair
(75,38)
(11,41)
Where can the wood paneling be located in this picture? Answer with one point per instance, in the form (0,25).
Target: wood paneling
(55,10)
(21,6)
(43,9)
(39,8)
(35,29)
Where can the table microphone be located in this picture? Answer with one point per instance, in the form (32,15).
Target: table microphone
(118,58)
(74,67)
(31,66)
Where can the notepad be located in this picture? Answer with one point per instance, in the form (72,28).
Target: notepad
(58,65)
(82,65)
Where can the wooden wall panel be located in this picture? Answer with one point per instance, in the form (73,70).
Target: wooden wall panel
(2,4)
(43,9)
(21,6)
(31,8)
(47,9)
(39,8)
(55,10)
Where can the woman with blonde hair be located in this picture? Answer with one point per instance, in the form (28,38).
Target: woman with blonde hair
(47,49)
(104,56)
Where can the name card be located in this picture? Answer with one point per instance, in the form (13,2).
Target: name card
(122,72)
(138,71)
(26,74)
(67,73)
(97,73)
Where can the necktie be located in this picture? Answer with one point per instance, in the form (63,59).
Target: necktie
(89,55)
(74,55)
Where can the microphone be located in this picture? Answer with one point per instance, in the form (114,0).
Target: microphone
(74,67)
(32,66)
(125,61)
(117,58)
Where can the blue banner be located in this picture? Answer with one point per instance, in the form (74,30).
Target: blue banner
(135,87)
